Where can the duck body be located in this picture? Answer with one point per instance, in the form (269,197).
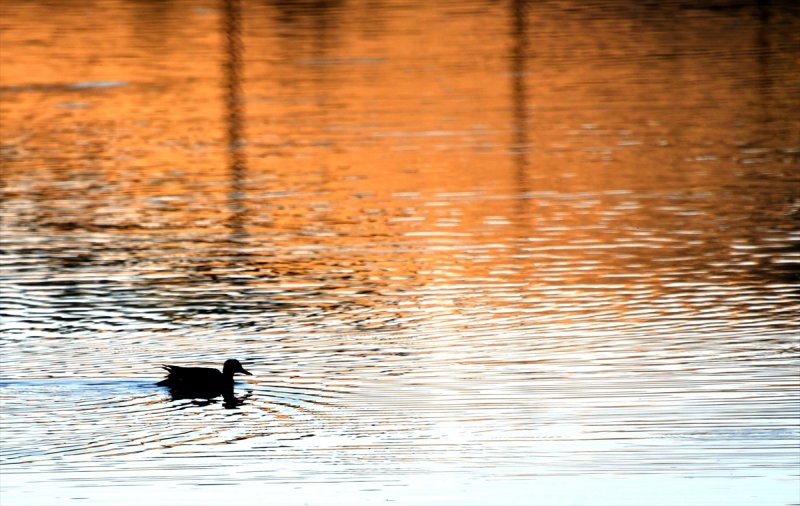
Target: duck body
(201,382)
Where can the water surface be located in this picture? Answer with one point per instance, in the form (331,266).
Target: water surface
(473,252)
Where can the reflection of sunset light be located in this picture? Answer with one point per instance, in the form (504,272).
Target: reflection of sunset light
(474,252)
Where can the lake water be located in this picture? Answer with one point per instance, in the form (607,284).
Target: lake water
(474,252)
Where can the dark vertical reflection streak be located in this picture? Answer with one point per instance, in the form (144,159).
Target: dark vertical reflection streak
(762,43)
(519,146)
(232,69)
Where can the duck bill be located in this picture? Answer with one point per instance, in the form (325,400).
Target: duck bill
(243,371)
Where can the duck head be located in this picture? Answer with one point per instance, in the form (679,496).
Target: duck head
(232,366)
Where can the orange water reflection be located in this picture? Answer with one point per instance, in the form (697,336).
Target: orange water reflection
(509,142)
(513,238)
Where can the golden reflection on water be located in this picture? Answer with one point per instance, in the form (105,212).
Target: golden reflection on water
(518,239)
(511,145)
(407,118)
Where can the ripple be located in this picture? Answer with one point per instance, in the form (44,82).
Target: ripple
(603,292)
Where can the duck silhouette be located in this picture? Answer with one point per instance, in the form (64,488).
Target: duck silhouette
(202,382)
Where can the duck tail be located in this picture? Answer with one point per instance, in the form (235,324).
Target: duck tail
(168,380)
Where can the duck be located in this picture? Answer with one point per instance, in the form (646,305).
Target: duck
(202,382)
